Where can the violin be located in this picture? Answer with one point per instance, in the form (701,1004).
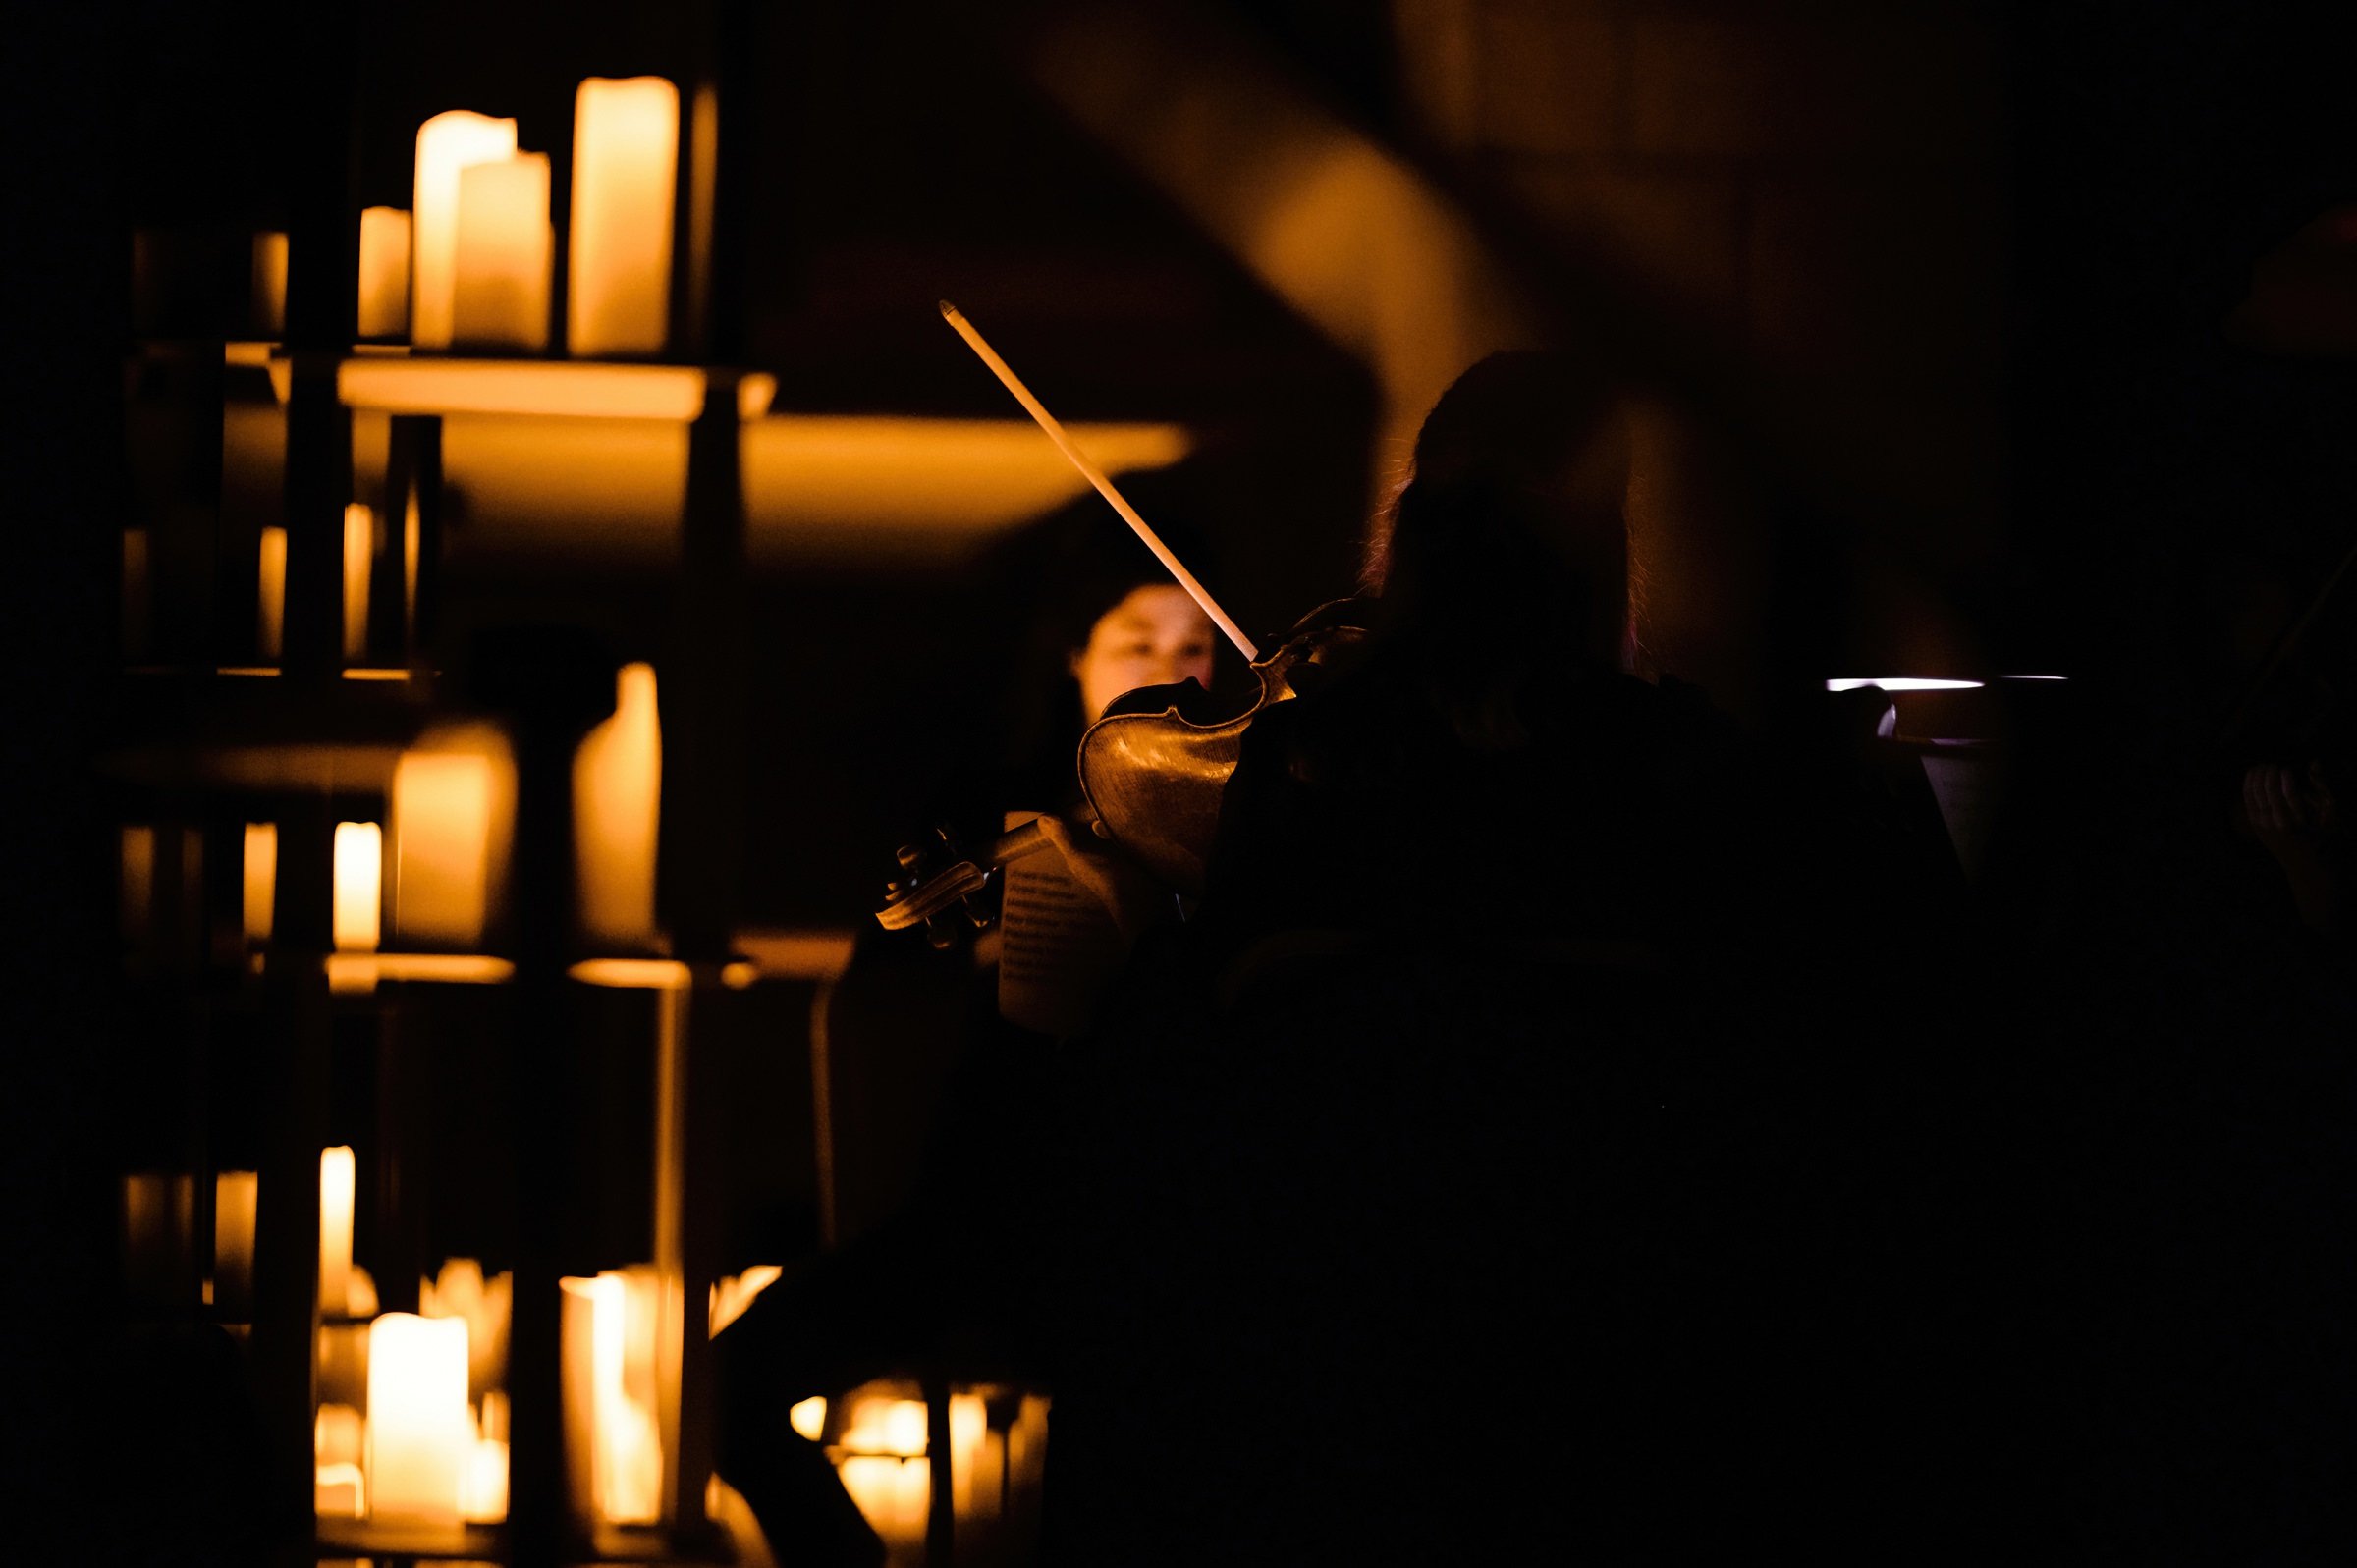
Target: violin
(1152,767)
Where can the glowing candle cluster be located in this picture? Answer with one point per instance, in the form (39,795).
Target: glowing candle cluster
(483,246)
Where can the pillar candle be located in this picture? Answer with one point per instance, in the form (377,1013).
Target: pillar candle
(615,1451)
(138,881)
(446,144)
(384,272)
(626,151)
(235,1193)
(261,879)
(360,885)
(335,1229)
(499,291)
(134,593)
(454,801)
(420,1436)
(270,283)
(617,803)
(360,553)
(271,606)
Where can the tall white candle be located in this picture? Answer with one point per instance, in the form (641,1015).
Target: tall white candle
(270,283)
(261,879)
(335,1230)
(359,554)
(617,803)
(446,144)
(625,147)
(384,310)
(271,586)
(360,886)
(420,1436)
(500,295)
(234,1196)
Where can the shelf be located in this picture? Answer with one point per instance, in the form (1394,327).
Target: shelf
(394,383)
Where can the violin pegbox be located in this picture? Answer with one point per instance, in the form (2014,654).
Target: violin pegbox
(936,889)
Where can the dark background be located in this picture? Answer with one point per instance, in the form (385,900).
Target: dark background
(2166,503)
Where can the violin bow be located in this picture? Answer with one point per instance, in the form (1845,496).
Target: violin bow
(1096,476)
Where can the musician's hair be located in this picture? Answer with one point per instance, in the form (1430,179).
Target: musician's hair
(1507,550)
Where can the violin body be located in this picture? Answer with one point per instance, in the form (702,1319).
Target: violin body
(1154,766)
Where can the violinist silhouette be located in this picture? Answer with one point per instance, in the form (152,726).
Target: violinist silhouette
(1418,1199)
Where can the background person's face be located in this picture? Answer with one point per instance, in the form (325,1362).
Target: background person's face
(1154,638)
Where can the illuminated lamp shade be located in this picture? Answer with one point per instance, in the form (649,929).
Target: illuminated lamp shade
(359,881)
(420,1436)
(454,811)
(617,803)
(499,297)
(384,304)
(446,144)
(624,162)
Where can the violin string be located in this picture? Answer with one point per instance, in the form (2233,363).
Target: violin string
(1096,476)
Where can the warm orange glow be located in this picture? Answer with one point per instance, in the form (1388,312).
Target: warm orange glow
(617,802)
(340,1490)
(446,144)
(484,1490)
(336,1177)
(359,552)
(270,283)
(235,1195)
(634,974)
(797,955)
(673,393)
(830,486)
(376,672)
(609,1363)
(139,879)
(730,1296)
(338,1435)
(159,1223)
(271,625)
(1028,1445)
(411,542)
(892,1494)
(625,147)
(384,272)
(134,593)
(969,1431)
(360,1296)
(505,249)
(261,879)
(809,1416)
(461,1291)
(419,1432)
(360,886)
(452,811)
(886,1427)
(1334,225)
(356,973)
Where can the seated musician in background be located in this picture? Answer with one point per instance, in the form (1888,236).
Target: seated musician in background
(944,1090)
